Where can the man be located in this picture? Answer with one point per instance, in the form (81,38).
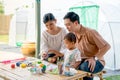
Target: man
(92,46)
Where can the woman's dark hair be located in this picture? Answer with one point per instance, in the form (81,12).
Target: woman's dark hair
(48,17)
(70,37)
(72,16)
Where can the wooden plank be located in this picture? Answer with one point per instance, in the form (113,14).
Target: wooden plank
(5,23)
(79,75)
(9,55)
(23,73)
(8,76)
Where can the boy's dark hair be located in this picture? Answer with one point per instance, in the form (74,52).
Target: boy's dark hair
(48,17)
(72,16)
(70,37)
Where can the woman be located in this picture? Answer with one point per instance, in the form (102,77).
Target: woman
(52,38)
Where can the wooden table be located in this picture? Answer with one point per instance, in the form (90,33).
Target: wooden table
(7,73)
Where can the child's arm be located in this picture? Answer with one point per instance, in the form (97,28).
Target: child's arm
(76,64)
(77,59)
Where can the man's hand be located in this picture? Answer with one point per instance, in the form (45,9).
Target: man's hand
(91,63)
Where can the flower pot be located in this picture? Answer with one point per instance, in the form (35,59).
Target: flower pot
(28,49)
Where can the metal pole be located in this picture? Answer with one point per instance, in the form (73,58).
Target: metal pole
(38,30)
(113,45)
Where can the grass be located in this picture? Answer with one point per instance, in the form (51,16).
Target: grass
(4,38)
(116,77)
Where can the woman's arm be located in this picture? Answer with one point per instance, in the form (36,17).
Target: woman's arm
(57,53)
(44,45)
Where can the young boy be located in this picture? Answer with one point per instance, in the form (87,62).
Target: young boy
(72,54)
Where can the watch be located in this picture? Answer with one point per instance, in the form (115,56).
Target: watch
(96,58)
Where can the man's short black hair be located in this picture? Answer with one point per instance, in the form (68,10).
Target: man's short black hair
(70,37)
(48,17)
(72,16)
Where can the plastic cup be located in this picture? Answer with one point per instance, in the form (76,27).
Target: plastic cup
(60,66)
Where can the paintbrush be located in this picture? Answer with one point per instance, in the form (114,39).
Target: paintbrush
(14,60)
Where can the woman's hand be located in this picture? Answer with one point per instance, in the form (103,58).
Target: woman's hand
(44,55)
(91,63)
